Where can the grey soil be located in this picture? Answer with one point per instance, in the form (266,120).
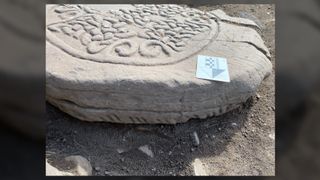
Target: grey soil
(240,142)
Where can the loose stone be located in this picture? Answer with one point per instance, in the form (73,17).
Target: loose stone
(199,169)
(97,168)
(147,150)
(195,139)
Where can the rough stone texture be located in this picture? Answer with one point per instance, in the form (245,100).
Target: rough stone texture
(199,169)
(136,64)
(52,171)
(80,166)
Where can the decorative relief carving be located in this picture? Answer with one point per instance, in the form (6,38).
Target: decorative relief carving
(163,33)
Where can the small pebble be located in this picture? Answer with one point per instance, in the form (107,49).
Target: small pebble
(234,124)
(272,136)
(120,151)
(97,168)
(153,169)
(147,150)
(258,96)
(196,140)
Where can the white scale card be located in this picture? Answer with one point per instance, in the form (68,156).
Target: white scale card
(212,68)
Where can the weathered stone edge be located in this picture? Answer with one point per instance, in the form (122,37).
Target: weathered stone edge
(137,117)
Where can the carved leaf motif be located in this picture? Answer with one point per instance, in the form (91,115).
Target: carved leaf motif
(85,39)
(95,47)
(67,11)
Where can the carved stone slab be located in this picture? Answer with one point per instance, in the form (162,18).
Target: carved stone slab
(137,63)
(146,35)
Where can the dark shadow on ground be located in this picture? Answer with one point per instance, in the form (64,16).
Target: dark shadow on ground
(173,145)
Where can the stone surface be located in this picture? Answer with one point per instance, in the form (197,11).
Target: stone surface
(136,64)
(198,168)
(80,167)
(52,171)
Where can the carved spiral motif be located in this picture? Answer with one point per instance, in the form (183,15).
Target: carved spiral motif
(126,48)
(148,48)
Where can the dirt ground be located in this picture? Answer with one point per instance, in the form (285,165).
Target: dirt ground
(241,142)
